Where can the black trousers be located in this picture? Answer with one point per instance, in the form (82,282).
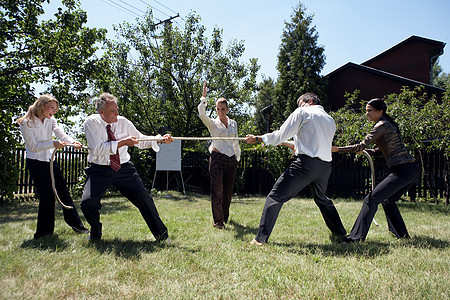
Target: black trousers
(302,172)
(40,173)
(387,192)
(222,170)
(129,184)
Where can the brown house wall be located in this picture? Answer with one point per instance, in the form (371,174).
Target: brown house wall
(413,61)
(370,85)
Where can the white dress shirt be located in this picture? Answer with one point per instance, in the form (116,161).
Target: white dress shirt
(312,129)
(97,138)
(218,129)
(38,137)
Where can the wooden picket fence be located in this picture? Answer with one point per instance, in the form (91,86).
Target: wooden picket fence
(72,163)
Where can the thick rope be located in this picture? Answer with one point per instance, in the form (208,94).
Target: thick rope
(193,138)
(52,177)
(372,172)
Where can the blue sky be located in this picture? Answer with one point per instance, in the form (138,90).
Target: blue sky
(349,30)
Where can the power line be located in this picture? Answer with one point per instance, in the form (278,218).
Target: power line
(122,8)
(168,8)
(138,9)
(165,6)
(136,14)
(155,8)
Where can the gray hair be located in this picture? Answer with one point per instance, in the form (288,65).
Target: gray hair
(309,96)
(103,99)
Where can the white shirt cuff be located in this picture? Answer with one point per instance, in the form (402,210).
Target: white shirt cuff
(155,145)
(114,145)
(264,139)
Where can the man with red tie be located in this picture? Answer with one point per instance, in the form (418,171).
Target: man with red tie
(108,137)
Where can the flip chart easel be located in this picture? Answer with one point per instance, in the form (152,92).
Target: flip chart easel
(169,159)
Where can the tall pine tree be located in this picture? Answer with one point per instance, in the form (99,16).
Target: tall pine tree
(300,62)
(263,117)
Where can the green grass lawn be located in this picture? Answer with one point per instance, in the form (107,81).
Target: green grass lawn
(299,262)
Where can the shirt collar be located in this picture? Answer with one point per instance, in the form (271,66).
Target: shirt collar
(228,121)
(103,122)
(37,122)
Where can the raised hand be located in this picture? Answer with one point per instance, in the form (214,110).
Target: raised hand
(205,89)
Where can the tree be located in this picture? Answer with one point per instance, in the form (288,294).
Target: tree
(263,117)
(300,62)
(57,53)
(157,75)
(440,78)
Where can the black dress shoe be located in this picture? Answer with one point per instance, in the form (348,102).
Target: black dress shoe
(81,230)
(336,238)
(93,239)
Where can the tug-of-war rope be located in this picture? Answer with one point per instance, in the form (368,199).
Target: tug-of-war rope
(372,172)
(209,138)
(189,138)
(52,176)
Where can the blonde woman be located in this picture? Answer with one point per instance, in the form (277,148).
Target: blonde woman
(37,127)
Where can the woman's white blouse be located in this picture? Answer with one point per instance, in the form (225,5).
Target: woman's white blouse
(38,137)
(218,129)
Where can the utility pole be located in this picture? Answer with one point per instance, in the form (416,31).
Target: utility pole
(167,44)
(169,20)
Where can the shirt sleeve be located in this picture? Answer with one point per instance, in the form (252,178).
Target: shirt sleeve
(289,128)
(377,131)
(132,131)
(202,113)
(374,152)
(59,132)
(97,146)
(237,148)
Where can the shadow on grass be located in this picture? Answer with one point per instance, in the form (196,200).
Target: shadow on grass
(50,243)
(127,249)
(18,212)
(26,211)
(426,242)
(113,204)
(366,249)
(424,207)
(241,231)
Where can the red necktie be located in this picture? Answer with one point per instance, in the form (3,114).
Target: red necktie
(115,158)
